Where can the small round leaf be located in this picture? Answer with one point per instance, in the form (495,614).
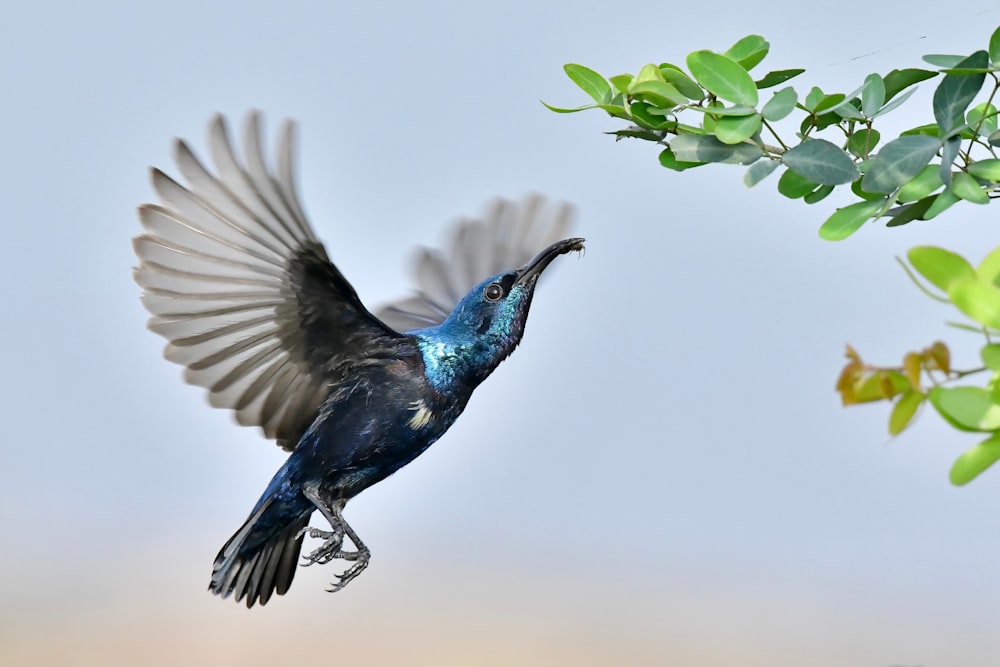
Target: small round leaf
(822,162)
(723,77)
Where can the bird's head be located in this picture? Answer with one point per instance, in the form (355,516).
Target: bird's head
(487,324)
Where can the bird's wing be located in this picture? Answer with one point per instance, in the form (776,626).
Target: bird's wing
(509,235)
(237,282)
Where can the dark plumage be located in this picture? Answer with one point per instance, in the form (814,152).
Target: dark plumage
(250,304)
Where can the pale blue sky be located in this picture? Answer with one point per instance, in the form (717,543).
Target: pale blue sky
(661,474)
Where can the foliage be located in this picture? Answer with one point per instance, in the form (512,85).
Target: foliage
(715,111)
(976,293)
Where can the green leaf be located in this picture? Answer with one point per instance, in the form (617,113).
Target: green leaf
(821,122)
(901,215)
(749,51)
(863,142)
(793,186)
(990,354)
(590,81)
(636,133)
(988,170)
(567,110)
(658,93)
(641,116)
(847,220)
(717,109)
(956,91)
(821,161)
(670,161)
(904,410)
(975,460)
(899,160)
(615,110)
(723,77)
(995,47)
(862,194)
(968,188)
(648,72)
(942,60)
(758,171)
(940,267)
(850,110)
(780,104)
(777,77)
(969,408)
(988,270)
(967,70)
(949,151)
(900,79)
(892,104)
(994,139)
(921,185)
(813,97)
(818,195)
(872,95)
(674,76)
(942,202)
(929,130)
(978,300)
(705,148)
(919,284)
(983,118)
(829,102)
(621,82)
(735,129)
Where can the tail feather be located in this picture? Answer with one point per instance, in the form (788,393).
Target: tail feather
(261,558)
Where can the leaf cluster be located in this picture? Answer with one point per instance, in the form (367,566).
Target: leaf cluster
(975,291)
(715,111)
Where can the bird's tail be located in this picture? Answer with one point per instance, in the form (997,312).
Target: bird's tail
(261,558)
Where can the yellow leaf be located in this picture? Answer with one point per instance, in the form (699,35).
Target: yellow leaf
(939,352)
(911,368)
(846,381)
(885,385)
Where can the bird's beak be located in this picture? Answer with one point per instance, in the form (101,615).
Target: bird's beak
(530,271)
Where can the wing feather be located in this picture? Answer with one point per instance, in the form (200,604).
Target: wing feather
(508,236)
(244,293)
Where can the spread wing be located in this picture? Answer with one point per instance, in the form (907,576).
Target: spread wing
(509,235)
(237,282)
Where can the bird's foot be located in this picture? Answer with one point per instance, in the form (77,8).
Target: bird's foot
(360,558)
(333,540)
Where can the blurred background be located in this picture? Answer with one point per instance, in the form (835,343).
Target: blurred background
(661,475)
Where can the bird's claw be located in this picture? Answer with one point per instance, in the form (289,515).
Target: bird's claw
(333,542)
(326,552)
(332,549)
(315,533)
(360,558)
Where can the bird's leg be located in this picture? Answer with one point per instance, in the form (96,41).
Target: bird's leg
(332,547)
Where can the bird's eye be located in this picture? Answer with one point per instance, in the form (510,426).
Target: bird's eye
(494,292)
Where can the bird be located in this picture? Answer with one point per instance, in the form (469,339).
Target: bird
(249,302)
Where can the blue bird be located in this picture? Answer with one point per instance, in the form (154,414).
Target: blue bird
(249,302)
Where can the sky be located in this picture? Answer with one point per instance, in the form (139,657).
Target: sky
(662,472)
